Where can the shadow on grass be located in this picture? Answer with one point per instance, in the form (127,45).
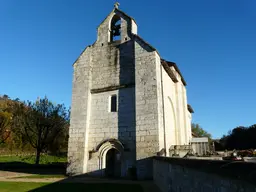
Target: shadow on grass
(113,187)
(59,186)
(96,181)
(44,169)
(86,182)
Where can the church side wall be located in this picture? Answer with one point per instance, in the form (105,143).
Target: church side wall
(187,121)
(169,109)
(183,117)
(79,117)
(148,115)
(181,114)
(181,108)
(178,119)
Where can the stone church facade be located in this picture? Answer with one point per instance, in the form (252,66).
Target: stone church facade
(128,103)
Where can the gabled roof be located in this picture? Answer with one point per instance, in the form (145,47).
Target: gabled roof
(135,36)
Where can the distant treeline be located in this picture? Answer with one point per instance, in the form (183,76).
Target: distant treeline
(240,138)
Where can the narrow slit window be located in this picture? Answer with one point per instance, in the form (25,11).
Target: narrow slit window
(113,103)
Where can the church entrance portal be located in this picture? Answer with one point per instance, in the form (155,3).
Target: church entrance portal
(113,163)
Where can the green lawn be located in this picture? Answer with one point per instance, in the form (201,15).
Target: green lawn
(19,186)
(44,159)
(67,187)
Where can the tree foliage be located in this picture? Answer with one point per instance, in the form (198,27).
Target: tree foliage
(41,123)
(240,138)
(199,131)
(5,119)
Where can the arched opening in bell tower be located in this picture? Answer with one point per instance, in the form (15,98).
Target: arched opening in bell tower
(115,28)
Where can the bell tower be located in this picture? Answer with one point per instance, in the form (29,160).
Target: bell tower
(117,27)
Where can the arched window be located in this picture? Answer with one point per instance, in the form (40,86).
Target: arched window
(115,30)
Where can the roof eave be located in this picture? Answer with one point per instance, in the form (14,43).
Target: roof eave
(169,71)
(82,53)
(172,64)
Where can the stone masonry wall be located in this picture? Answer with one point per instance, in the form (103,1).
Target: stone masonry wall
(106,125)
(79,116)
(148,116)
(175,174)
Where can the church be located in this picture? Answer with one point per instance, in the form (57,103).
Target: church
(128,104)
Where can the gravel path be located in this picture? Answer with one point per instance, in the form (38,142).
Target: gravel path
(9,174)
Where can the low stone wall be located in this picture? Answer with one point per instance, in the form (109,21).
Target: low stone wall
(178,174)
(205,158)
(250,159)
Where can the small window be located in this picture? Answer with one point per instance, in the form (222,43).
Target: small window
(113,103)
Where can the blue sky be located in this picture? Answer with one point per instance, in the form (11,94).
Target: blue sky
(212,42)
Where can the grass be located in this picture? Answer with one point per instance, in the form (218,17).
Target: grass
(16,186)
(44,159)
(67,187)
(38,176)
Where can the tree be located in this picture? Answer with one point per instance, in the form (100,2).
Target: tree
(240,138)
(41,123)
(197,130)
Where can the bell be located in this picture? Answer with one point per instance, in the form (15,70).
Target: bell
(116,30)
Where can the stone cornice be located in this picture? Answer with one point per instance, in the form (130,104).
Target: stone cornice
(112,88)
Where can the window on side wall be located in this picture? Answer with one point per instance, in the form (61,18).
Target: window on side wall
(113,103)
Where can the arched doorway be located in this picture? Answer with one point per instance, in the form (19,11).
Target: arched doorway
(111,154)
(113,163)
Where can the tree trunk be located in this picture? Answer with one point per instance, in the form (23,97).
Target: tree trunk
(38,152)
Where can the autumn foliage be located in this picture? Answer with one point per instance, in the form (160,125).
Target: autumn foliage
(39,126)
